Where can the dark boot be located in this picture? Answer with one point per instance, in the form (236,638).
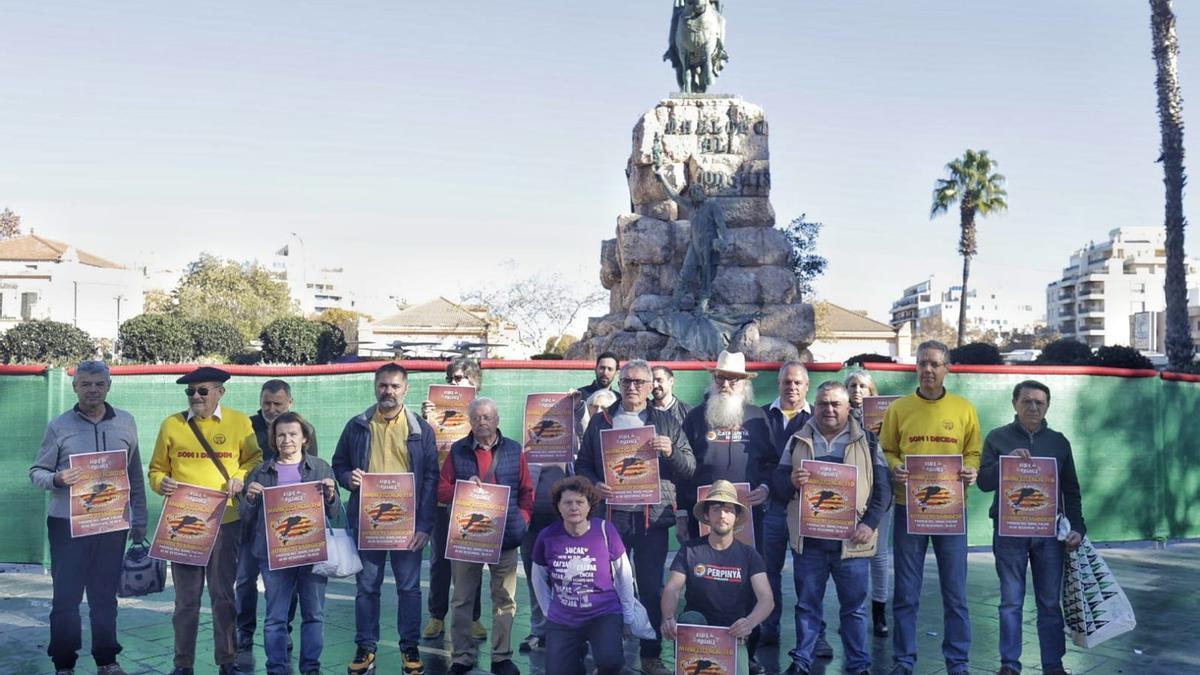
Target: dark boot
(879,614)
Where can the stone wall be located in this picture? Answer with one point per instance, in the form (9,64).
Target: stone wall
(719,143)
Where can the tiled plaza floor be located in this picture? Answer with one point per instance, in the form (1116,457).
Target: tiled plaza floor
(1161,584)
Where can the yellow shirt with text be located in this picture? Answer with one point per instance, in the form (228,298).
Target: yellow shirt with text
(178,453)
(916,426)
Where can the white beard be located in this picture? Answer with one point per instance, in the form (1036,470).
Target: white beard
(725,412)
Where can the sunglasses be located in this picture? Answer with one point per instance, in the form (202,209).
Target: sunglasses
(192,391)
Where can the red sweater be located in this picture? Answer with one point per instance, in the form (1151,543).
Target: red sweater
(483,457)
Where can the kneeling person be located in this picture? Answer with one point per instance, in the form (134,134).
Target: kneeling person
(724,581)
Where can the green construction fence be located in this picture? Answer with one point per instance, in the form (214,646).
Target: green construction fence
(1136,434)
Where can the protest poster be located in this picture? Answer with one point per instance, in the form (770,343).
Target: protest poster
(549,428)
(100,498)
(705,650)
(294,518)
(744,532)
(828,503)
(189,524)
(1028,497)
(387,511)
(478,516)
(450,422)
(630,466)
(873,409)
(935,500)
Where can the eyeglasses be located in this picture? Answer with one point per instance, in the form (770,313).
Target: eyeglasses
(192,391)
(726,379)
(636,384)
(458,377)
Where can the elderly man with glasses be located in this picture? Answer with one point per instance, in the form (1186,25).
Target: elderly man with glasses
(644,529)
(180,456)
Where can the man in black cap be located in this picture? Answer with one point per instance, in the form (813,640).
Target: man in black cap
(181,457)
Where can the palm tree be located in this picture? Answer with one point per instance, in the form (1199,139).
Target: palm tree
(1170,121)
(977,190)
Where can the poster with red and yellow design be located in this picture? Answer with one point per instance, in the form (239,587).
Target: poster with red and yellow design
(387,511)
(1028,497)
(450,421)
(705,650)
(828,501)
(478,515)
(549,428)
(294,518)
(100,498)
(630,466)
(189,525)
(935,500)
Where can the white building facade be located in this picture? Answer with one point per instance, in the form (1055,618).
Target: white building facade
(316,289)
(987,309)
(1107,285)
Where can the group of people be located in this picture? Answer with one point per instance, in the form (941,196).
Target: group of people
(595,571)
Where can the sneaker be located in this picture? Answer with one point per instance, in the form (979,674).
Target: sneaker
(363,663)
(411,660)
(229,669)
(110,669)
(433,629)
(655,666)
(1055,671)
(478,632)
(532,643)
(64,671)
(823,650)
(460,669)
(505,667)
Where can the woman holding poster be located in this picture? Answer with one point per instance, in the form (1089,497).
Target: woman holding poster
(290,434)
(583,581)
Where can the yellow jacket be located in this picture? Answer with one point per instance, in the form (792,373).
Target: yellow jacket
(178,453)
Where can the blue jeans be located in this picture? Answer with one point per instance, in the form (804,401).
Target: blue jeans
(1045,556)
(406,570)
(775,548)
(282,586)
(811,571)
(567,645)
(951,553)
(245,594)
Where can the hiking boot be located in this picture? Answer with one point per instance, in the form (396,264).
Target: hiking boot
(363,663)
(433,629)
(654,666)
(411,660)
(478,632)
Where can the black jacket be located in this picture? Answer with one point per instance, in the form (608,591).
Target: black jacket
(716,459)
(1045,442)
(781,433)
(676,469)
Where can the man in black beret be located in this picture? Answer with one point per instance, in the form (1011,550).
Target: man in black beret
(181,457)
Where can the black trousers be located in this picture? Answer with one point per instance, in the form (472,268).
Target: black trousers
(91,564)
(439,569)
(647,546)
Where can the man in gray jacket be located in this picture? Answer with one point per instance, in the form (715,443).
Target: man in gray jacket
(88,562)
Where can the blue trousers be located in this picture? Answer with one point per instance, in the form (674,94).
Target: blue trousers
(774,550)
(951,553)
(1045,556)
(812,570)
(406,570)
(282,586)
(91,564)
(567,645)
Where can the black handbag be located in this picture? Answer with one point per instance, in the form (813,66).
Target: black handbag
(141,574)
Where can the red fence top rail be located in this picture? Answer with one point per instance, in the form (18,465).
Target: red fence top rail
(23,370)
(1026,370)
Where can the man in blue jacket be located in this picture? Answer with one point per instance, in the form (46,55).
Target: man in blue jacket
(389,438)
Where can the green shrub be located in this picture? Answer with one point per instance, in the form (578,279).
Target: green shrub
(1065,352)
(976,354)
(1120,356)
(155,338)
(215,337)
(302,342)
(46,342)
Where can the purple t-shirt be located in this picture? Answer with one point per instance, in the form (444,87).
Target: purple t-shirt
(289,474)
(580,571)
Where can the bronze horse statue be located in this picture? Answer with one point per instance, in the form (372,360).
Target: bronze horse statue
(696,44)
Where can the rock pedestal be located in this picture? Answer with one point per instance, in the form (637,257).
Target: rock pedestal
(719,143)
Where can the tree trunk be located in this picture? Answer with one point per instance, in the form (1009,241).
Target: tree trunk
(1180,348)
(962,300)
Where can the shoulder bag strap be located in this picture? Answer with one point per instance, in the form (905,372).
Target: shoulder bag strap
(208,448)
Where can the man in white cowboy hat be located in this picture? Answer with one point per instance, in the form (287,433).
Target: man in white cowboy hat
(723,581)
(833,436)
(731,439)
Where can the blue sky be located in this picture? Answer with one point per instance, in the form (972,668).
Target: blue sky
(421,144)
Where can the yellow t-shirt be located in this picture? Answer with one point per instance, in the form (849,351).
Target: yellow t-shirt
(389,444)
(178,454)
(916,426)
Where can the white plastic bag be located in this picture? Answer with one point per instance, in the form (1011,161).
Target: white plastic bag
(343,559)
(1094,606)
